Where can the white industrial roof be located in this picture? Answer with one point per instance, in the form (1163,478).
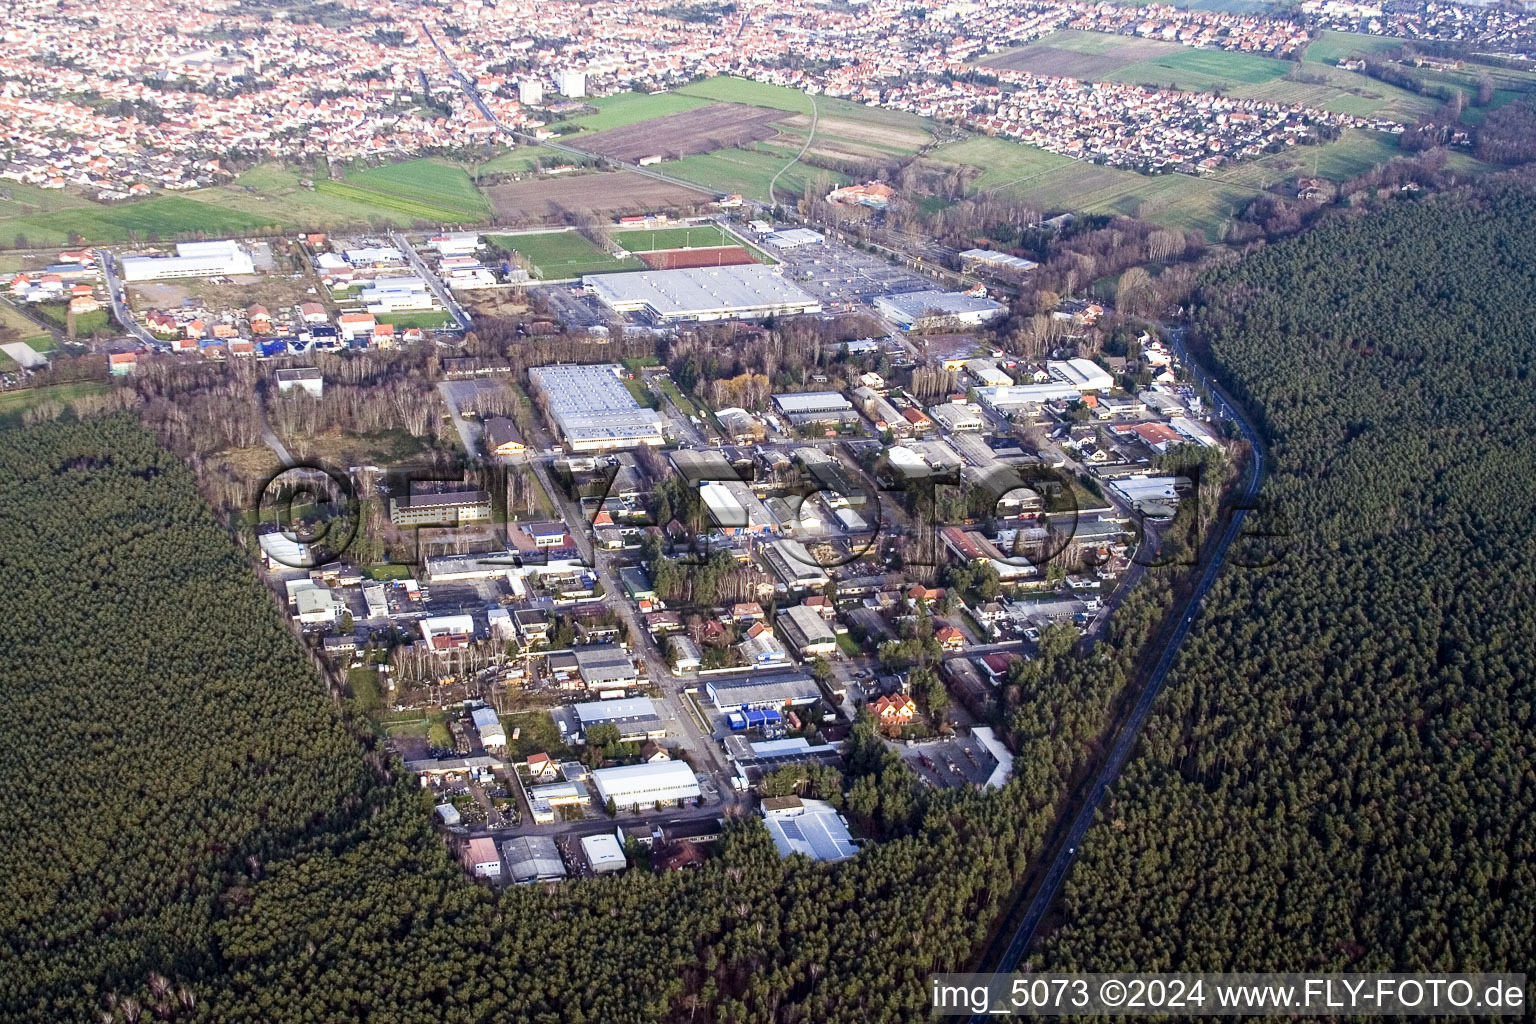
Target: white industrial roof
(615,710)
(701,291)
(816,832)
(811,401)
(665,778)
(1026,394)
(603,852)
(591,403)
(1083,374)
(916,304)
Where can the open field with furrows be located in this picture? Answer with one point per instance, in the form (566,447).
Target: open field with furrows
(561,254)
(598,195)
(845,135)
(628,108)
(700,130)
(740,90)
(679,259)
(748,172)
(1089,56)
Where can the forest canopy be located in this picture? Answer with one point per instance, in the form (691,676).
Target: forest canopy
(1340,773)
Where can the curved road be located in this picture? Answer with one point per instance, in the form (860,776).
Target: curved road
(1130,730)
(809,138)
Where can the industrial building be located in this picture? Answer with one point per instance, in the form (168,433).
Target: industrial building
(702,293)
(972,260)
(639,785)
(793,238)
(394,294)
(1083,374)
(532,859)
(1016,397)
(812,828)
(635,717)
(924,310)
(592,408)
(808,634)
(814,406)
(758,692)
(604,853)
(793,564)
(733,508)
(492,735)
(192,259)
(605,666)
(438,509)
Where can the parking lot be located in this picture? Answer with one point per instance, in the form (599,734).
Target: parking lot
(842,276)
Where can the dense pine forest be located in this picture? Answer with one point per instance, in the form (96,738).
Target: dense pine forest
(1338,775)
(1341,772)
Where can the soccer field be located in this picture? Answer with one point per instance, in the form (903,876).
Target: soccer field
(650,239)
(554,255)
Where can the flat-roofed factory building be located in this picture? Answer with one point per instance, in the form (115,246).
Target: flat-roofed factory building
(703,293)
(592,408)
(923,310)
(634,717)
(640,785)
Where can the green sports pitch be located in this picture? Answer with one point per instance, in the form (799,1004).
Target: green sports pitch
(555,255)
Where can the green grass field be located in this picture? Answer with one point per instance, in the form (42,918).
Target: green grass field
(514,161)
(739,170)
(164,217)
(647,239)
(1331,47)
(560,254)
(1002,162)
(25,330)
(426,319)
(742,90)
(431,182)
(1201,70)
(627,108)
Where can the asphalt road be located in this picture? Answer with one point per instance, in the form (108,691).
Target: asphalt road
(460,316)
(1130,730)
(120,311)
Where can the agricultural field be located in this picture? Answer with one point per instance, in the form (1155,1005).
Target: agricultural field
(433,183)
(29,219)
(1002,162)
(522,160)
(1088,56)
(1194,70)
(15,326)
(553,255)
(85,324)
(748,172)
(648,239)
(1344,92)
(725,89)
(595,195)
(700,130)
(628,108)
(1332,47)
(848,137)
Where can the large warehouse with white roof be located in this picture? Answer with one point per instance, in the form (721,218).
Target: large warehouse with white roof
(192,259)
(639,785)
(593,409)
(703,293)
